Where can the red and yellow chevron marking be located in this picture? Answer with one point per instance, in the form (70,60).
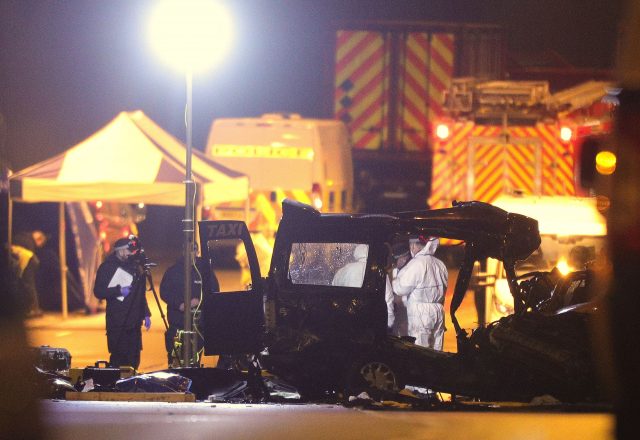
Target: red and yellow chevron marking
(521,168)
(361,92)
(449,171)
(424,76)
(440,71)
(503,168)
(558,163)
(414,79)
(499,167)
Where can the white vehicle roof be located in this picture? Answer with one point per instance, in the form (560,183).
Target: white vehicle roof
(283,151)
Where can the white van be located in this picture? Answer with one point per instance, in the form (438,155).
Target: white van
(572,231)
(285,155)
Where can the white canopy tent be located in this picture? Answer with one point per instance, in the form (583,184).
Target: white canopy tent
(129,160)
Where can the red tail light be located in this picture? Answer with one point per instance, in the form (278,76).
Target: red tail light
(316,196)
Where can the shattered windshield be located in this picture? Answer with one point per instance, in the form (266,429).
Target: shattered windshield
(327,264)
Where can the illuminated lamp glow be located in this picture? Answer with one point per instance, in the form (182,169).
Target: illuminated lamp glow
(563,266)
(558,215)
(606,162)
(442,131)
(192,35)
(103,235)
(141,205)
(98,204)
(504,299)
(566,133)
(316,196)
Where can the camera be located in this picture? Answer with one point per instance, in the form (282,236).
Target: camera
(137,253)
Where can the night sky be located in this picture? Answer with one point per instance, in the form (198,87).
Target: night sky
(69,67)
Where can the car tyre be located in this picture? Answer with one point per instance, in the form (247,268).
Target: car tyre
(372,374)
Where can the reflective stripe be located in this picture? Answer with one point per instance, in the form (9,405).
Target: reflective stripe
(534,162)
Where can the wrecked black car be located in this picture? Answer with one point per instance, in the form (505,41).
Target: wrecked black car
(331,340)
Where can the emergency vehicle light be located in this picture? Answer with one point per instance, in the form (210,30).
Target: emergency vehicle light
(606,162)
(566,133)
(316,196)
(563,266)
(442,131)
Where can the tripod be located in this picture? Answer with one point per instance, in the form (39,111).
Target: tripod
(149,280)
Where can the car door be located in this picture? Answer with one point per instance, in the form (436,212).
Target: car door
(232,317)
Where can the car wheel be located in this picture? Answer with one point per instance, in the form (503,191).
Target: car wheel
(373,374)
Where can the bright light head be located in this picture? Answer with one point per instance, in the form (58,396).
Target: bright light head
(192,35)
(606,162)
(442,131)
(563,266)
(316,196)
(566,133)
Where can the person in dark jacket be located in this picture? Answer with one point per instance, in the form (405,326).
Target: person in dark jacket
(121,281)
(203,282)
(23,249)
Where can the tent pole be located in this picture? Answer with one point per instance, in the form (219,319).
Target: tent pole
(62,249)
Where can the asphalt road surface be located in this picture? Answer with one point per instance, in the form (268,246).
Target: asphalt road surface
(194,421)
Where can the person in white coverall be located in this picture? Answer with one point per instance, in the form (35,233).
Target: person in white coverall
(396,305)
(424,281)
(352,274)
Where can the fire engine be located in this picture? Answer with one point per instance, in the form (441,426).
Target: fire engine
(412,147)
(513,137)
(388,81)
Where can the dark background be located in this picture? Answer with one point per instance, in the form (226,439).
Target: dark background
(68,67)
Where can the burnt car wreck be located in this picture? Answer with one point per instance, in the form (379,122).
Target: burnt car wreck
(329,340)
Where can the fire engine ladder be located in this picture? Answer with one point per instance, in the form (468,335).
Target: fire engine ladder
(580,96)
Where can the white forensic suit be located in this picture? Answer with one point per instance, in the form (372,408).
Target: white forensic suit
(424,282)
(400,326)
(352,274)
(388,298)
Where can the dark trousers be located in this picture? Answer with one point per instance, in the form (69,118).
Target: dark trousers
(124,346)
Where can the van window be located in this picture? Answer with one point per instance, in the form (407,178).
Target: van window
(328,264)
